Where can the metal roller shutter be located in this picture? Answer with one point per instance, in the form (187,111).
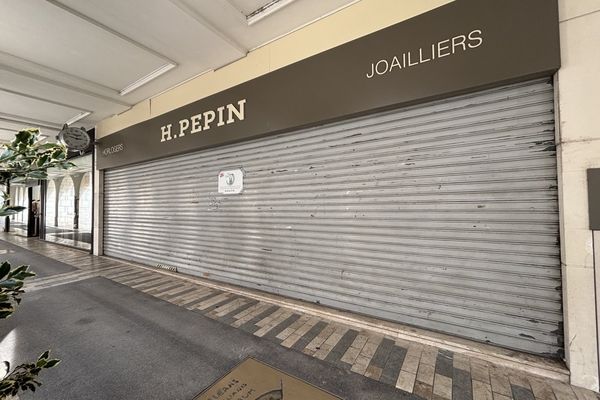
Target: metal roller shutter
(441,215)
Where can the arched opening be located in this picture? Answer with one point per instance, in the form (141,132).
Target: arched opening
(85,203)
(68,218)
(66,201)
(50,218)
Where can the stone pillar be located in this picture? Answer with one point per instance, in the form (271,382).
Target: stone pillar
(76,186)
(57,184)
(578,147)
(98,212)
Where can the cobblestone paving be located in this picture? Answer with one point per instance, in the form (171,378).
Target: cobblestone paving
(428,372)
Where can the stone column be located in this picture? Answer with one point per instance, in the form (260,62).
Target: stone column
(76,186)
(578,147)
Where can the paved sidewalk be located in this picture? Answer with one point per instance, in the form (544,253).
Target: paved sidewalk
(429,372)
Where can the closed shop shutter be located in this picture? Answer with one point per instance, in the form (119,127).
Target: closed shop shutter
(442,216)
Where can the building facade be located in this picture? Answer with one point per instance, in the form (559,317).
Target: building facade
(425,165)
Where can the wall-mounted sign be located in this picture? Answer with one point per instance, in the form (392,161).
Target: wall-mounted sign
(203,121)
(231,182)
(461,47)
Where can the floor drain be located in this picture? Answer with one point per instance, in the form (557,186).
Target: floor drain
(166,267)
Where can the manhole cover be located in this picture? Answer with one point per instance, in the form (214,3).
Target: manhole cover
(254,380)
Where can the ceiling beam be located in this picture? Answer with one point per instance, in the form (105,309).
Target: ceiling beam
(8,130)
(348,4)
(64,85)
(268,9)
(17,119)
(56,103)
(207,24)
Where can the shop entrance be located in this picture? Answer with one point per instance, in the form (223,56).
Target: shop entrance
(442,216)
(27,222)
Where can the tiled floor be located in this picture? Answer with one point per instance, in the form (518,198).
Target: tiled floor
(426,371)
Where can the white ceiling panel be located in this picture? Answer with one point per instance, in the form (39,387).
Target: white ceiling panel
(285,20)
(6,135)
(102,107)
(11,128)
(164,27)
(17,126)
(55,77)
(80,48)
(177,32)
(15,104)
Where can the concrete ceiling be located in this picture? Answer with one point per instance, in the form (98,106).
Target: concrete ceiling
(62,59)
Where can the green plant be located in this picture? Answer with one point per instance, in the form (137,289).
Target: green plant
(24,376)
(11,287)
(24,159)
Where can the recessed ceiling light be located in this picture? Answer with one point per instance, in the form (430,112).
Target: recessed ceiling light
(143,80)
(266,10)
(79,116)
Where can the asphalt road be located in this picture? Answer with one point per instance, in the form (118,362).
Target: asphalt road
(118,343)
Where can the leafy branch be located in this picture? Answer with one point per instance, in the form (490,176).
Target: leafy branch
(24,159)
(24,376)
(11,287)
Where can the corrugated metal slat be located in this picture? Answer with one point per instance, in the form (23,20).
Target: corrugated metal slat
(442,216)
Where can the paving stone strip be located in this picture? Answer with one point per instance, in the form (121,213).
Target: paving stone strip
(57,280)
(273,322)
(300,332)
(251,313)
(355,348)
(426,371)
(323,351)
(227,308)
(284,334)
(316,343)
(276,330)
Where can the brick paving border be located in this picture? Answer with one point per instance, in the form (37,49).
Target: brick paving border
(428,372)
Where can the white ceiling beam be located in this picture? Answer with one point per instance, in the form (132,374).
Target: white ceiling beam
(207,24)
(7,125)
(63,85)
(163,69)
(57,103)
(18,119)
(77,117)
(18,63)
(350,3)
(266,10)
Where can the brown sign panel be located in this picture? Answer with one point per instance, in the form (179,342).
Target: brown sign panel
(253,380)
(461,47)
(593,177)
